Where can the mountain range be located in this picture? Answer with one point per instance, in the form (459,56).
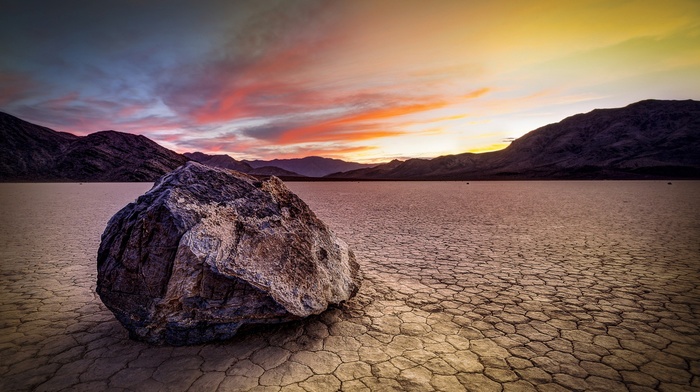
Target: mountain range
(29,152)
(647,139)
(287,168)
(312,166)
(225,161)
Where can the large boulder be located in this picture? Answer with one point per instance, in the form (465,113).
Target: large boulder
(207,251)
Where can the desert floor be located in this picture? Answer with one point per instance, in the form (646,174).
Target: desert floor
(487,286)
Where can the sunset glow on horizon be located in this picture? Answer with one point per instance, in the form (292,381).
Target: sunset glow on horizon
(364,81)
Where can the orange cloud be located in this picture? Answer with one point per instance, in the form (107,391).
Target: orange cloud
(391,112)
(261,87)
(477,93)
(344,128)
(329,152)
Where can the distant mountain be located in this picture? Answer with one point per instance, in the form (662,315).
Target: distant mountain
(297,167)
(275,171)
(647,139)
(29,152)
(311,166)
(225,161)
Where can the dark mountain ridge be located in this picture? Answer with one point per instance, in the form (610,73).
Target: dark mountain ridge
(646,139)
(30,152)
(312,166)
(223,161)
(227,162)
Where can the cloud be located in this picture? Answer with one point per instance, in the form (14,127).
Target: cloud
(83,115)
(196,63)
(477,93)
(354,124)
(15,86)
(229,143)
(261,77)
(269,132)
(254,71)
(332,150)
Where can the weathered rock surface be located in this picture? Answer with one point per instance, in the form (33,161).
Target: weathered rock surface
(207,251)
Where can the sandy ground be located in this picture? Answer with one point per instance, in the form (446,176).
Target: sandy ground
(481,287)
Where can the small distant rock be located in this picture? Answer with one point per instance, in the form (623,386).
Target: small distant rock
(207,251)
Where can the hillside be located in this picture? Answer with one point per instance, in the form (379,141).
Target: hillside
(29,152)
(647,139)
(227,162)
(311,166)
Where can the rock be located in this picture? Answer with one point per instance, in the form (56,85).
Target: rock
(208,250)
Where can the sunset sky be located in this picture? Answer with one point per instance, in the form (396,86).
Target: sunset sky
(357,80)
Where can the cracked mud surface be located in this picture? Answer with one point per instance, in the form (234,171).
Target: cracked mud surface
(541,286)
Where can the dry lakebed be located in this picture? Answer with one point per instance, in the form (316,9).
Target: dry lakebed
(481,286)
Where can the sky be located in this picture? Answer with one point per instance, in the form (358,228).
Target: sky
(360,80)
